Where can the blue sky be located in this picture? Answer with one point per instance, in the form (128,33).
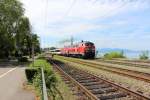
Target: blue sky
(107,23)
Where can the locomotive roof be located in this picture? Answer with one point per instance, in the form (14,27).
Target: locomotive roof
(79,43)
(85,42)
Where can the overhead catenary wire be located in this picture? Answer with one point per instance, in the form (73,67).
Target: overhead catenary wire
(62,19)
(73,3)
(69,9)
(112,10)
(45,14)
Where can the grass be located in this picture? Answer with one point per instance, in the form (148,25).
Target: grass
(125,81)
(56,88)
(65,91)
(50,78)
(139,69)
(41,63)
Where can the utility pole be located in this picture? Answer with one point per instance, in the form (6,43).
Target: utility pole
(72,39)
(33,54)
(32,50)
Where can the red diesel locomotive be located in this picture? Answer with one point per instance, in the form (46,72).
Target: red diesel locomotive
(84,49)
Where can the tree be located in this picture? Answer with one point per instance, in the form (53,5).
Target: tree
(23,36)
(144,55)
(10,12)
(15,30)
(36,43)
(52,48)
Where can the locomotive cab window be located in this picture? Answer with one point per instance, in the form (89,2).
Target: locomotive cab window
(89,44)
(81,44)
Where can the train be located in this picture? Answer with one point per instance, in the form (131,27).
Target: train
(55,51)
(83,49)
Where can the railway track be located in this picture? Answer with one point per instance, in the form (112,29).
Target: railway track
(126,62)
(140,61)
(92,87)
(120,71)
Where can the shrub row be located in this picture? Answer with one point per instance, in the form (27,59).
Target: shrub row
(30,73)
(112,55)
(34,72)
(22,59)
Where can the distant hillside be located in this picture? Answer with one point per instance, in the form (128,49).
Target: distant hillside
(117,50)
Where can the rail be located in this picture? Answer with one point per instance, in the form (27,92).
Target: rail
(80,87)
(79,77)
(129,73)
(126,62)
(44,90)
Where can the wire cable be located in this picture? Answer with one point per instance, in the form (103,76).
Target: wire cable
(111,10)
(69,9)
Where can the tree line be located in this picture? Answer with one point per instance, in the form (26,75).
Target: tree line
(143,56)
(16,37)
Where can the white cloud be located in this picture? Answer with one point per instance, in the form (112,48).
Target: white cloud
(55,18)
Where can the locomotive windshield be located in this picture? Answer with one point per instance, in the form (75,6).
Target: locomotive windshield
(89,44)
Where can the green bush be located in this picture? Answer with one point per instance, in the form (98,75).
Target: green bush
(37,83)
(144,55)
(30,73)
(34,78)
(22,59)
(50,77)
(112,55)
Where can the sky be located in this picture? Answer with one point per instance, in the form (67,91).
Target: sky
(107,23)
